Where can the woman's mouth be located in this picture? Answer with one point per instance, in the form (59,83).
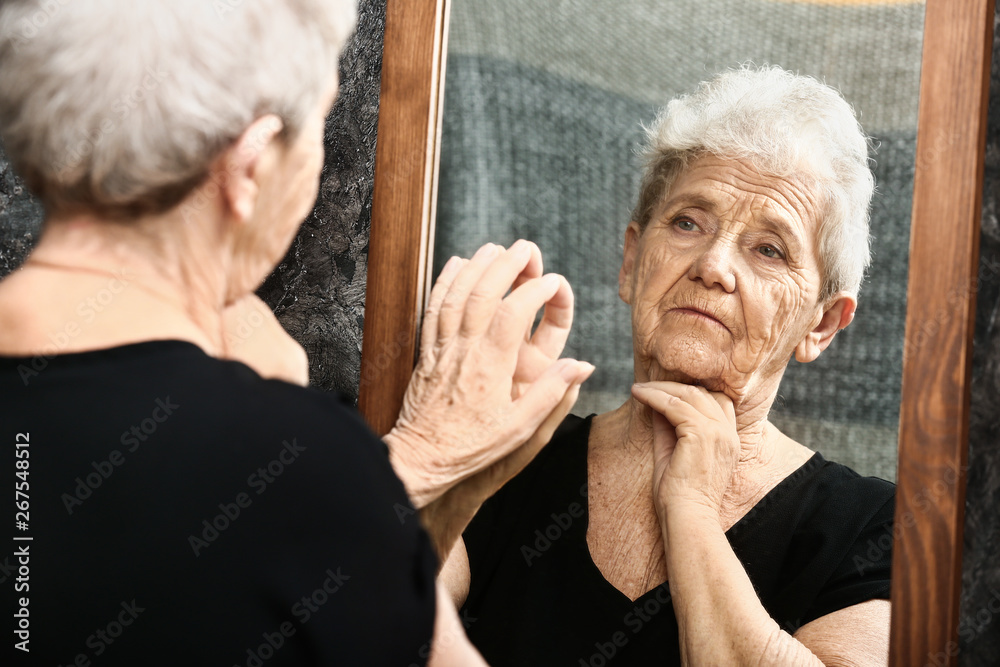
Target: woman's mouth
(701,315)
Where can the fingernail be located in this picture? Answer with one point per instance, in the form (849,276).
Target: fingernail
(488,251)
(568,370)
(552,281)
(451,265)
(521,249)
(587,369)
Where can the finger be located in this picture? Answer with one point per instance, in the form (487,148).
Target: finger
(545,394)
(428,330)
(533,268)
(727,405)
(519,458)
(487,294)
(549,338)
(697,397)
(517,311)
(557,320)
(677,411)
(453,305)
(664,435)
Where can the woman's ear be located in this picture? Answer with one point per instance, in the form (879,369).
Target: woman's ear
(632,234)
(837,314)
(236,172)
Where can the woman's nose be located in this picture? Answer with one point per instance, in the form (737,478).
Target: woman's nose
(714,266)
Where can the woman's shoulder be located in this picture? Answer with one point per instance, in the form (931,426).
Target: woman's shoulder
(563,458)
(261,489)
(834,484)
(819,541)
(822,483)
(821,497)
(211,400)
(557,476)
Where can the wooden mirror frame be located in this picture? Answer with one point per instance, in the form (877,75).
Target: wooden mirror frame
(941,294)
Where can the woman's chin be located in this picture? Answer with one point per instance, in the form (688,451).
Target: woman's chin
(689,360)
(712,382)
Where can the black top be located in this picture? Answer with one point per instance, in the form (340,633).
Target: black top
(185,511)
(819,541)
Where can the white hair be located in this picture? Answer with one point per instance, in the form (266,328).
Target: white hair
(782,124)
(120,106)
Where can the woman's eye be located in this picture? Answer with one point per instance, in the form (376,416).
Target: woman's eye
(686,225)
(769,251)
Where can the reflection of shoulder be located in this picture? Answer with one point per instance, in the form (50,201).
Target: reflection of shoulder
(568,443)
(229,399)
(833,494)
(559,469)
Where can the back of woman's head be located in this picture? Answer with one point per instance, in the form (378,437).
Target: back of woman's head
(118,107)
(783,125)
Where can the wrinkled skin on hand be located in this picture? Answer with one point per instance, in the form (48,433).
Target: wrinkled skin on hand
(487,393)
(695,444)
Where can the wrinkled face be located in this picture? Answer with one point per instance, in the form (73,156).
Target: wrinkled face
(725,279)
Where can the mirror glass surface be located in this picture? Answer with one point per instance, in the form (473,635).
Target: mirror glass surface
(544,109)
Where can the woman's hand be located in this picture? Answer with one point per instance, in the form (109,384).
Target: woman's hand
(695,444)
(484,386)
(253,335)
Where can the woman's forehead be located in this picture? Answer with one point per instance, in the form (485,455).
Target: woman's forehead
(733,188)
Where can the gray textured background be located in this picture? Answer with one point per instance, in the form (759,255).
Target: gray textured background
(543,112)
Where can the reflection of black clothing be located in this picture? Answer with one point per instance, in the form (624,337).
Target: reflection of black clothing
(819,541)
(186,512)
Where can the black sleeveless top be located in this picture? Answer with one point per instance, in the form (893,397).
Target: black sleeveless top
(184,511)
(820,541)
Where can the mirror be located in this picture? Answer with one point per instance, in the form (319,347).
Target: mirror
(543,114)
(933,410)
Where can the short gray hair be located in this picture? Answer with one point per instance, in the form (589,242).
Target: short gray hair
(782,124)
(120,106)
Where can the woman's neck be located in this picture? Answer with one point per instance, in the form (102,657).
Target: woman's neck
(766,455)
(172,276)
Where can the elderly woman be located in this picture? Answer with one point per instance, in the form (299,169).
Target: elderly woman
(177,507)
(683,527)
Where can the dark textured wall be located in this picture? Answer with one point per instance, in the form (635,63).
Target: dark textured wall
(979,626)
(318,290)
